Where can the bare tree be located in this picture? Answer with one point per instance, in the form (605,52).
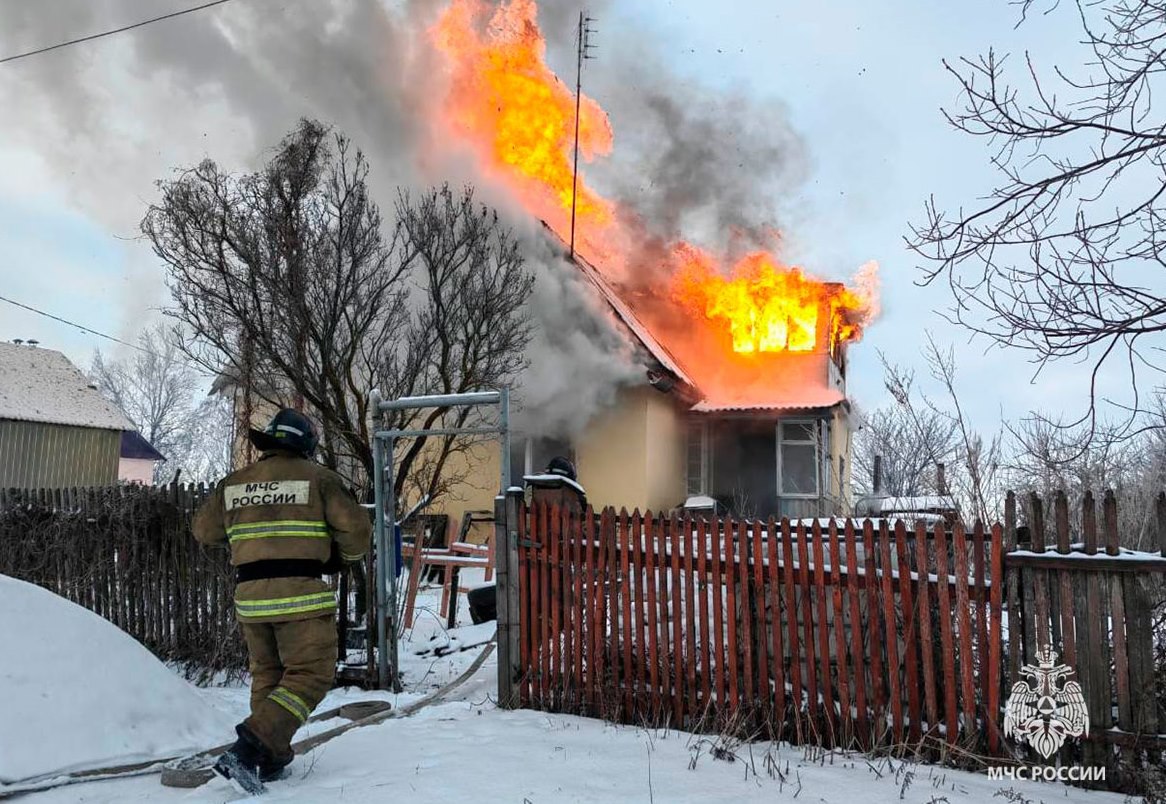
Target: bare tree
(154,386)
(289,283)
(909,443)
(1064,257)
(977,460)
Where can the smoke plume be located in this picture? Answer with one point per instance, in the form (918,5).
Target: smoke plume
(115,115)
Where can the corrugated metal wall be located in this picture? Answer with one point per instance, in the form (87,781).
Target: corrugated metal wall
(38,455)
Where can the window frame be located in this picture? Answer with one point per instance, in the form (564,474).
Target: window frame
(702,426)
(815,441)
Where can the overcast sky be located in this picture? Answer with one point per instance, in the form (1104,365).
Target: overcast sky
(87,129)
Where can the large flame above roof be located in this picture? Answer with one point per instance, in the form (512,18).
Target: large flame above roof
(516,114)
(518,118)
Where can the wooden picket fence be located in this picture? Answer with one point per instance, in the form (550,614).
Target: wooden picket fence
(127,553)
(837,632)
(842,635)
(1073,587)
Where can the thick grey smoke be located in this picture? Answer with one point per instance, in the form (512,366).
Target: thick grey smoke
(115,115)
(698,163)
(112,116)
(578,361)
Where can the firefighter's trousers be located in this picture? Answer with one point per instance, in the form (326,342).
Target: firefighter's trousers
(292,667)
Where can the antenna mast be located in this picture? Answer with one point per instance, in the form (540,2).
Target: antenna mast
(583,42)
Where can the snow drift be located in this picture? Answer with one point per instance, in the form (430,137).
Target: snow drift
(77,693)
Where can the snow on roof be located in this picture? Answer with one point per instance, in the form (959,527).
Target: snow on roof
(912,504)
(41,385)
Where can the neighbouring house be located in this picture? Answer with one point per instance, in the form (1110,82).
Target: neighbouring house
(56,429)
(138,459)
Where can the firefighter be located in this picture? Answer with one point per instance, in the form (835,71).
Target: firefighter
(287,521)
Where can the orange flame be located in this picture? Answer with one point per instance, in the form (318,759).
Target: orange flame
(515,112)
(519,119)
(771,307)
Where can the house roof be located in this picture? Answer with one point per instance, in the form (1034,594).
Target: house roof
(41,385)
(769,401)
(824,398)
(631,321)
(134,445)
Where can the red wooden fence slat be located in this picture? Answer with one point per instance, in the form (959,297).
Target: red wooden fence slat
(571,526)
(761,631)
(640,646)
(690,618)
(703,587)
(857,653)
(578,608)
(731,612)
(778,652)
(910,632)
(964,624)
(543,607)
(587,571)
(822,604)
(612,662)
(996,579)
(650,580)
(663,527)
(894,684)
(525,633)
(927,646)
(557,516)
(745,607)
(610,677)
(846,727)
(875,640)
(599,607)
(678,675)
(806,613)
(791,616)
(946,643)
(717,641)
(628,676)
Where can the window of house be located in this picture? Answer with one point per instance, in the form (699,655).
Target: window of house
(530,455)
(696,465)
(798,459)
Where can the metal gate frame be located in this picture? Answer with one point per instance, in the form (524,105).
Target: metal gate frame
(386,503)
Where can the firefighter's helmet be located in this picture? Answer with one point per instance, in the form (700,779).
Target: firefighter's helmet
(289,429)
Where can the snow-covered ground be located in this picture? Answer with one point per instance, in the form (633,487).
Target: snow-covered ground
(77,692)
(467,750)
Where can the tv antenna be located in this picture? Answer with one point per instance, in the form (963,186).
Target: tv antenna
(584,46)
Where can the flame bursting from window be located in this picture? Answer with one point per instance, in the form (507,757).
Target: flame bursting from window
(519,118)
(770,307)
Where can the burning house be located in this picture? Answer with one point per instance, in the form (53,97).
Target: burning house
(742,395)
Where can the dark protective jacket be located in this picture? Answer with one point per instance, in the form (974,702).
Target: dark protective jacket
(283,506)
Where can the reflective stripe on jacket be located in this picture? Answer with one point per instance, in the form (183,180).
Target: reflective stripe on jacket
(283,507)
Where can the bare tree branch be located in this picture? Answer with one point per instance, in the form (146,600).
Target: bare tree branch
(1064,258)
(289,284)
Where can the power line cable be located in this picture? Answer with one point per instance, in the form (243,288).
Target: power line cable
(91,37)
(75,324)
